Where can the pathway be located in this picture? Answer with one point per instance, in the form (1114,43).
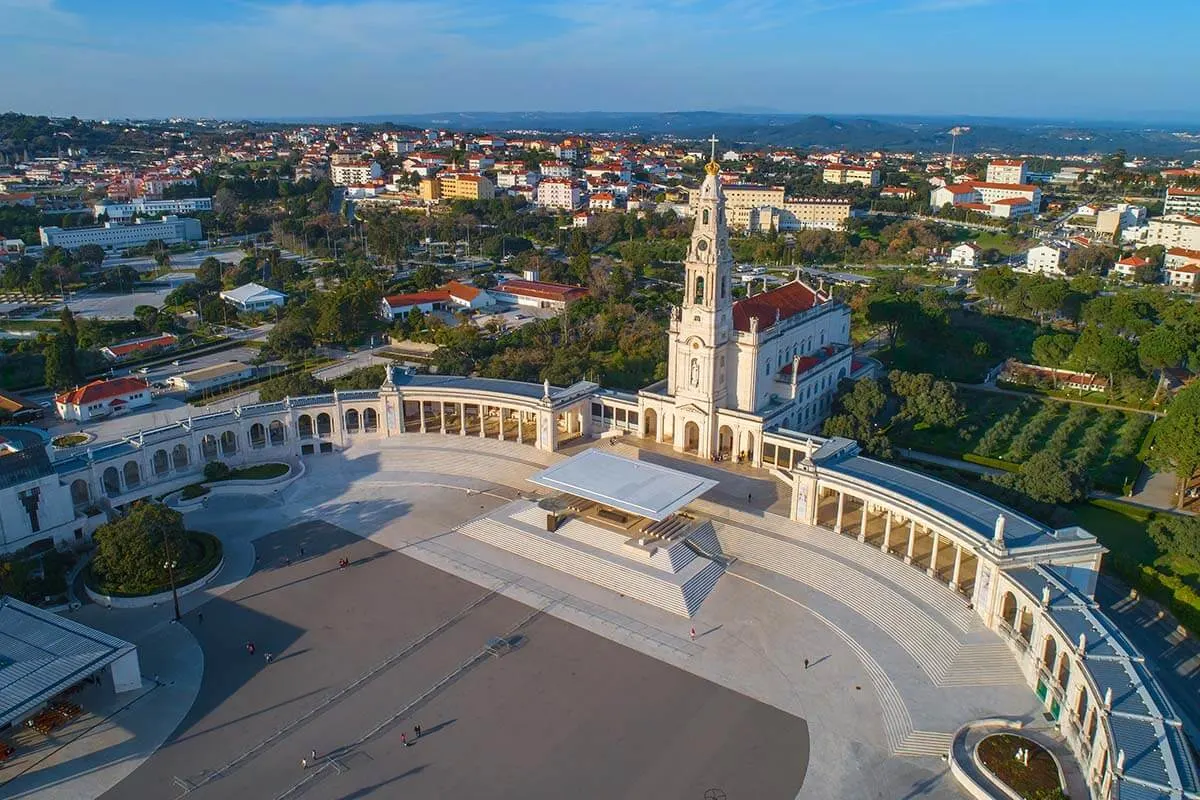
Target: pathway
(987,387)
(943,461)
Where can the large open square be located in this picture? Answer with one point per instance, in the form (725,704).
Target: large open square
(362,654)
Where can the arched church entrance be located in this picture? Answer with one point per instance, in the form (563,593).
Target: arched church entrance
(691,438)
(651,424)
(725,441)
(748,450)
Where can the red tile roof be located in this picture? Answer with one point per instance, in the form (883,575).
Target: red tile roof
(1011,201)
(101,390)
(1183,251)
(542,290)
(1007,162)
(417,298)
(1190,269)
(1134,261)
(787,300)
(135,345)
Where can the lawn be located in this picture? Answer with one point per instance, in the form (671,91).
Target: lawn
(201,554)
(259,472)
(973,345)
(1004,431)
(1007,245)
(1136,559)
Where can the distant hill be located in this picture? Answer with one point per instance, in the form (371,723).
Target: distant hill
(856,133)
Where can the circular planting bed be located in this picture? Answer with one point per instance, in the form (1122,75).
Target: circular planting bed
(1037,780)
(201,555)
(70,440)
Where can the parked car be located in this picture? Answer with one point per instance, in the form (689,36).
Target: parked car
(144,371)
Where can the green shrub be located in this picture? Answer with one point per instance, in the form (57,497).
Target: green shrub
(216,471)
(193,490)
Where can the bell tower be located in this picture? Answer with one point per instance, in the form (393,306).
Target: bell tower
(702,326)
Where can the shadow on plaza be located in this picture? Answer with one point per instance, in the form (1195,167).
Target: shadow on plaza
(744,492)
(367,791)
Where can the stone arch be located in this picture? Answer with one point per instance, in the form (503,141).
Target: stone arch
(305,426)
(112,482)
(324,424)
(229,444)
(1064,670)
(1081,705)
(1091,727)
(351,420)
(161,463)
(698,295)
(258,435)
(277,433)
(725,440)
(81,493)
(132,474)
(748,447)
(691,437)
(208,448)
(651,423)
(179,456)
(370,420)
(1049,652)
(1025,627)
(1008,609)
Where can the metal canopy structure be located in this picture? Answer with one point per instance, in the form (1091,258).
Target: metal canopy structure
(42,653)
(636,487)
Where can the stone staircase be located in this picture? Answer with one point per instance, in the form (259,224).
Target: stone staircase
(679,592)
(948,657)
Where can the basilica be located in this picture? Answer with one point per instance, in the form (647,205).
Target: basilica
(737,368)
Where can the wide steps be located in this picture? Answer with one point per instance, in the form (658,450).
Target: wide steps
(677,598)
(929,643)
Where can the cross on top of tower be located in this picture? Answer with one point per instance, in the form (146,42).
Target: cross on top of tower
(712,167)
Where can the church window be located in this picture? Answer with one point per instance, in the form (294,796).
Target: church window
(706,216)
(822,337)
(698,295)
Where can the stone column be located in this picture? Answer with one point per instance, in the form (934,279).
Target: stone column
(837,523)
(887,532)
(482,426)
(862,523)
(658,426)
(932,571)
(442,407)
(520,433)
(462,419)
(958,552)
(912,540)
(421,413)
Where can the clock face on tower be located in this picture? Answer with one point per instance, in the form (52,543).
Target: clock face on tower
(702,245)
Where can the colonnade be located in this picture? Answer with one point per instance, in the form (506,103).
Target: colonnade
(870,521)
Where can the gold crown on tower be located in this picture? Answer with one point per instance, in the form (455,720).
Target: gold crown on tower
(712,167)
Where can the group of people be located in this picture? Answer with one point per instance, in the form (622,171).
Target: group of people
(343,562)
(268,656)
(741,457)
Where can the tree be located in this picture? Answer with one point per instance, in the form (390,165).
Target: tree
(855,408)
(297,384)
(1047,478)
(90,254)
(893,313)
(209,273)
(131,550)
(67,320)
(61,370)
(1176,436)
(1162,347)
(1053,349)
(925,400)
(428,276)
(148,317)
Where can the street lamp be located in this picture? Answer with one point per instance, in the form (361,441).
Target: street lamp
(169,565)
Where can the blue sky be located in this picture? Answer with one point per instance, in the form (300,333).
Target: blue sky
(265,58)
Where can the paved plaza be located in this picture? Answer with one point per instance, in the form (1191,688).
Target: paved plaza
(603,696)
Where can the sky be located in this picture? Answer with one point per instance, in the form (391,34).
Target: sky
(260,59)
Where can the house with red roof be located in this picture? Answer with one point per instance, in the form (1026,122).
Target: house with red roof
(132,347)
(452,297)
(1127,268)
(538,294)
(102,398)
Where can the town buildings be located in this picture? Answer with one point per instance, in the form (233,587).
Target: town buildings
(758,208)
(102,398)
(253,297)
(557,193)
(1006,171)
(1182,201)
(1047,259)
(115,236)
(351,173)
(848,173)
(141,346)
(211,378)
(1002,200)
(1174,230)
(141,207)
(966,254)
(453,296)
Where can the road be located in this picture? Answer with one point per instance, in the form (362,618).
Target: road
(987,387)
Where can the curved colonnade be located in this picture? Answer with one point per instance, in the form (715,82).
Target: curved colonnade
(1030,584)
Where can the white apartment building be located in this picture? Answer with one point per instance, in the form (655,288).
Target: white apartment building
(1004,170)
(1003,200)
(115,236)
(349,173)
(1179,256)
(800,214)
(142,207)
(1182,201)
(555,169)
(1175,230)
(558,193)
(966,254)
(1185,277)
(847,173)
(1048,259)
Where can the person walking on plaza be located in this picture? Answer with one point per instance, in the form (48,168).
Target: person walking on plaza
(250,648)
(404,739)
(416,731)
(269,657)
(693,634)
(806,663)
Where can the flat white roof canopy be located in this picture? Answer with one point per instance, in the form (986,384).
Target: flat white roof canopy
(636,487)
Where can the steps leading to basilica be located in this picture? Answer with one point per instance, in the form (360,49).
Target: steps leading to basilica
(599,557)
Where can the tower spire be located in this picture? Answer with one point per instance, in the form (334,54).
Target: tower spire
(711,167)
